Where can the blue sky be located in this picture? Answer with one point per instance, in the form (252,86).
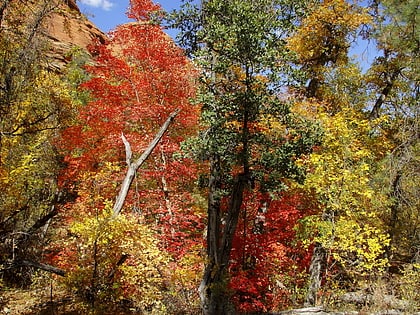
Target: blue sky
(107,14)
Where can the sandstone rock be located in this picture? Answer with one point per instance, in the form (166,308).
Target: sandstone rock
(66,29)
(310,311)
(388,312)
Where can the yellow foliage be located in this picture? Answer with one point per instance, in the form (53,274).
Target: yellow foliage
(185,277)
(322,36)
(360,245)
(269,124)
(99,243)
(339,173)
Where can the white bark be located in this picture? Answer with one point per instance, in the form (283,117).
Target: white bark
(134,166)
(168,203)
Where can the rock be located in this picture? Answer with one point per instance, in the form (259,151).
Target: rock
(393,302)
(72,5)
(386,301)
(66,29)
(309,311)
(388,312)
(358,298)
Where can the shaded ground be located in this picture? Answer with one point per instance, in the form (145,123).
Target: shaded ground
(41,301)
(44,301)
(50,300)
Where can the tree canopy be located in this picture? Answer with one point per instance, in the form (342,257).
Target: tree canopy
(252,165)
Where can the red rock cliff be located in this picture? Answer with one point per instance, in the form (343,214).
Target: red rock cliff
(68,28)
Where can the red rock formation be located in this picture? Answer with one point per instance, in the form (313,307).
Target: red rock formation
(68,28)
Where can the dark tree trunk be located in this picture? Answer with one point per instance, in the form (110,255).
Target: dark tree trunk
(209,294)
(312,88)
(390,80)
(41,266)
(395,195)
(213,291)
(316,270)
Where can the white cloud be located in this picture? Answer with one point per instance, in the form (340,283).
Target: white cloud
(103,4)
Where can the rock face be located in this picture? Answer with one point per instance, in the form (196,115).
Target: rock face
(310,311)
(321,311)
(66,29)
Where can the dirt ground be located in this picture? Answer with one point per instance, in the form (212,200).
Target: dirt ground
(41,299)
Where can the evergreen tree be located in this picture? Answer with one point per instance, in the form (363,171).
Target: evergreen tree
(239,47)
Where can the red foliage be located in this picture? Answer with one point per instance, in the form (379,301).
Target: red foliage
(141,9)
(138,78)
(264,252)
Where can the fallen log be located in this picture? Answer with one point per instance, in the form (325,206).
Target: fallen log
(41,266)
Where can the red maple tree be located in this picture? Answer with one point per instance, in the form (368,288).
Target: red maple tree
(138,78)
(265,255)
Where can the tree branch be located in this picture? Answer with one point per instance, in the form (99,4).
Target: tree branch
(156,140)
(134,166)
(374,114)
(41,266)
(128,152)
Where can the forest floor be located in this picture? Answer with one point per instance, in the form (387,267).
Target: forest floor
(51,300)
(39,301)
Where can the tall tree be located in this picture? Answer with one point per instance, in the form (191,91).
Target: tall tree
(394,81)
(139,80)
(34,105)
(355,224)
(239,48)
(322,43)
(140,85)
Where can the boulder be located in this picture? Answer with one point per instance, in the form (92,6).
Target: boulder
(317,310)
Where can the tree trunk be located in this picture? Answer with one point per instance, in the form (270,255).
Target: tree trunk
(390,81)
(213,288)
(316,270)
(213,234)
(41,266)
(168,203)
(395,196)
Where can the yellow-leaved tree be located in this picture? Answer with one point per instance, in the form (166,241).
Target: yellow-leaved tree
(348,235)
(111,262)
(349,228)
(34,105)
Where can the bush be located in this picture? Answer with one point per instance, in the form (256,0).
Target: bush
(115,261)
